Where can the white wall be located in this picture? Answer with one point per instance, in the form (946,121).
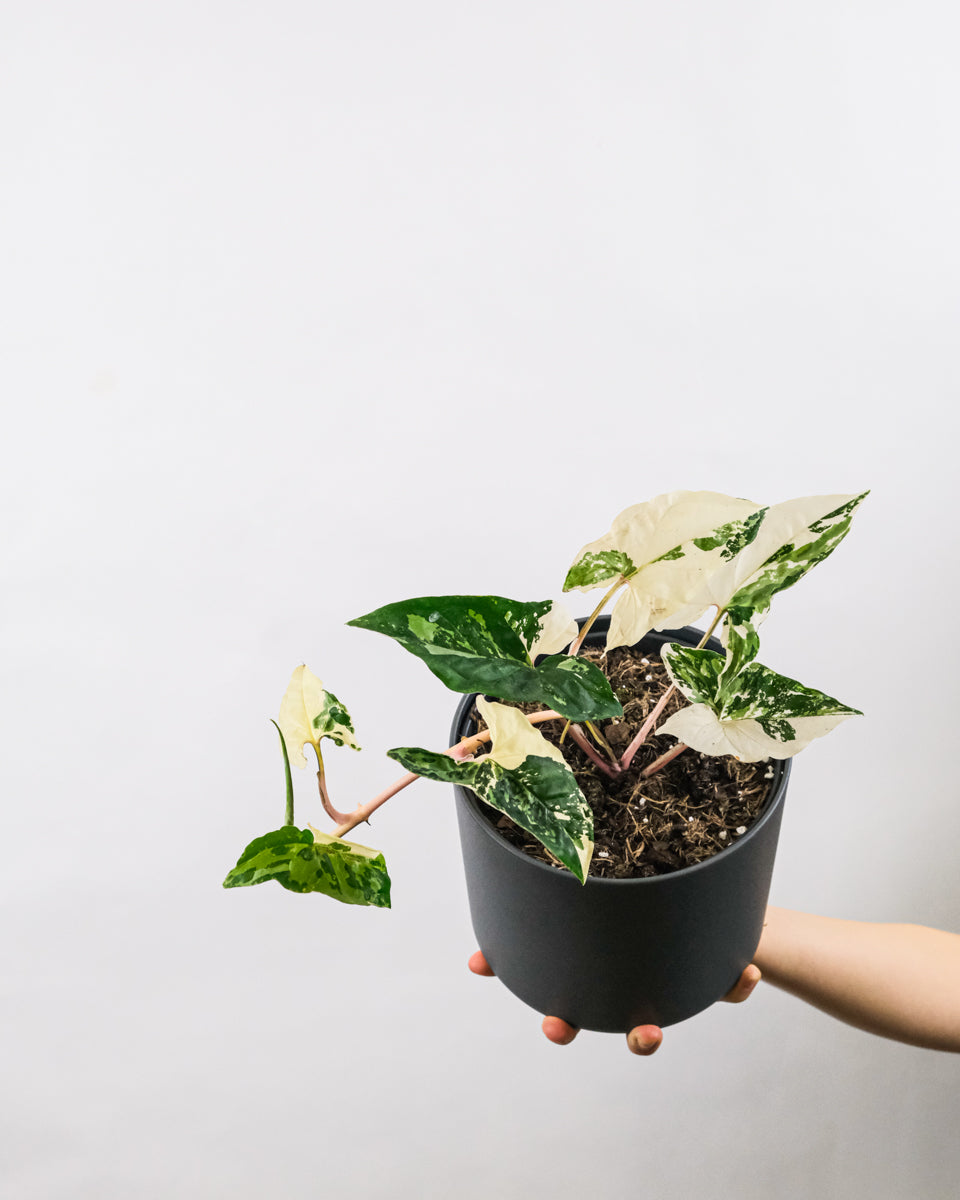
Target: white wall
(307,307)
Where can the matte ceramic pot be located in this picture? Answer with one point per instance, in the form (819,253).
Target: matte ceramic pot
(611,954)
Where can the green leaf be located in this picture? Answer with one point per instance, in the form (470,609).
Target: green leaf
(288,778)
(740,638)
(487,644)
(333,721)
(540,795)
(695,673)
(305,861)
(308,714)
(663,549)
(757,715)
(593,569)
(575,688)
(523,776)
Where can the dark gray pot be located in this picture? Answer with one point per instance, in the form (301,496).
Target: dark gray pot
(615,953)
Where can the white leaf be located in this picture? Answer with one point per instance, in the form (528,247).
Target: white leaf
(645,532)
(512,736)
(654,599)
(308,714)
(701,729)
(661,591)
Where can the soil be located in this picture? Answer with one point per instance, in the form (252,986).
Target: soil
(691,809)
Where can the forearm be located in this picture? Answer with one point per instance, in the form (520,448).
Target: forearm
(899,981)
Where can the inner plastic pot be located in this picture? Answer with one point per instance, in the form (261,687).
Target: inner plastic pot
(611,954)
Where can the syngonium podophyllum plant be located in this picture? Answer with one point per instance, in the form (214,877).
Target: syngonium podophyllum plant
(666,562)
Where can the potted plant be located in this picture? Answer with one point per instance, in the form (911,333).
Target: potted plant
(668,930)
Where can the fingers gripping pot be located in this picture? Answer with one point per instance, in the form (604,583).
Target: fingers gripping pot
(611,954)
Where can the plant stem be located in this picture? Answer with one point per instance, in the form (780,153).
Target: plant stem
(713,624)
(325,800)
(288,810)
(645,728)
(577,734)
(661,704)
(463,749)
(587,625)
(603,744)
(663,760)
(362,813)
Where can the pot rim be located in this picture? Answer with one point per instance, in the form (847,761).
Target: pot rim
(781,776)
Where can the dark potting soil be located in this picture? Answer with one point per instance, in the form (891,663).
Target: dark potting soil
(691,809)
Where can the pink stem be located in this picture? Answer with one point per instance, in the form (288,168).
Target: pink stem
(645,728)
(361,814)
(325,800)
(648,724)
(462,750)
(663,760)
(580,738)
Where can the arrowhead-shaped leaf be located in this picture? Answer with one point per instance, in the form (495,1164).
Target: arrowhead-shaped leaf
(302,860)
(662,549)
(523,776)
(757,715)
(487,644)
(308,714)
(695,673)
(791,539)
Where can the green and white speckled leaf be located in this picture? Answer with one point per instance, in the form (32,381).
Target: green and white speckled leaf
(523,776)
(757,715)
(308,714)
(593,568)
(558,628)
(792,538)
(487,644)
(305,860)
(695,673)
(663,549)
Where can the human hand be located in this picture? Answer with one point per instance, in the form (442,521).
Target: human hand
(644,1039)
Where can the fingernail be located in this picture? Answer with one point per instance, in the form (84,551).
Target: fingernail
(640,1045)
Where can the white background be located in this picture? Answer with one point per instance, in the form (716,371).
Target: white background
(308,307)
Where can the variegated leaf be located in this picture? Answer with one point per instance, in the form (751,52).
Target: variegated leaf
(792,538)
(487,644)
(305,860)
(663,549)
(757,715)
(700,728)
(557,630)
(695,673)
(512,737)
(308,714)
(523,776)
